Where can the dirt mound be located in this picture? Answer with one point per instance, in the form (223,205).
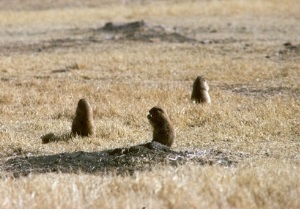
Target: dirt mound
(119,161)
(140,31)
(289,50)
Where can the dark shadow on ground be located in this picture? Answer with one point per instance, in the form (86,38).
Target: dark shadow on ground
(120,161)
(267,91)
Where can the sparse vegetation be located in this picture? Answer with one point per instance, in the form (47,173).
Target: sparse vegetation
(53,54)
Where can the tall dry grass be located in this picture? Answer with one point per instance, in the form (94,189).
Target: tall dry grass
(253,185)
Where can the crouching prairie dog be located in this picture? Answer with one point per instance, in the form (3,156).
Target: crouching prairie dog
(83,123)
(163,130)
(200,91)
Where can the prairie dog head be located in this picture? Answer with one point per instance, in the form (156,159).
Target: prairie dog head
(83,109)
(201,83)
(156,116)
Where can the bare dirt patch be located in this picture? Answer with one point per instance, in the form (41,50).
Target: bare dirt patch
(119,161)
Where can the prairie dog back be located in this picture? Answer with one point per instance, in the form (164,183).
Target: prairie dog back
(83,123)
(200,91)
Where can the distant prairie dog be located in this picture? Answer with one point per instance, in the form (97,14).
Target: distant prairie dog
(200,91)
(163,130)
(83,123)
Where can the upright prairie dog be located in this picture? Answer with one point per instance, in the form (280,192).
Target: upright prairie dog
(83,123)
(200,91)
(163,130)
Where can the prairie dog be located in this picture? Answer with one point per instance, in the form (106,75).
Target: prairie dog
(200,91)
(83,123)
(163,130)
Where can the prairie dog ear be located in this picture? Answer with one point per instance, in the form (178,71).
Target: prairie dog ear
(159,109)
(156,109)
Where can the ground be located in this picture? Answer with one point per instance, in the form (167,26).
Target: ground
(240,151)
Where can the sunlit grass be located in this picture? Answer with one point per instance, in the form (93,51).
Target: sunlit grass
(254,185)
(79,16)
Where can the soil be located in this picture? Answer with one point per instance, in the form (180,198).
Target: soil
(119,161)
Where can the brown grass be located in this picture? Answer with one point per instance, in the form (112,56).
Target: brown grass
(253,185)
(255,104)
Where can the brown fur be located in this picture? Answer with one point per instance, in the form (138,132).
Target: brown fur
(163,130)
(200,91)
(83,123)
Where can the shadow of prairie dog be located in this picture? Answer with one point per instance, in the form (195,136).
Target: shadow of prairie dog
(83,123)
(163,130)
(51,137)
(200,91)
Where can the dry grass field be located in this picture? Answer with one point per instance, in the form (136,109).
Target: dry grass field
(52,53)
